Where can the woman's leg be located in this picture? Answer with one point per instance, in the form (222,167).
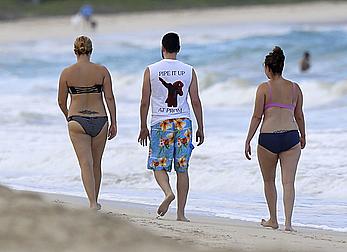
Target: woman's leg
(98,147)
(268,162)
(289,163)
(82,145)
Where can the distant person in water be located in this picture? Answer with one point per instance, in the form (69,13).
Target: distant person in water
(278,105)
(86,12)
(305,62)
(166,85)
(86,117)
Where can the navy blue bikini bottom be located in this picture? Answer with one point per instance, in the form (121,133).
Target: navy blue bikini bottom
(279,142)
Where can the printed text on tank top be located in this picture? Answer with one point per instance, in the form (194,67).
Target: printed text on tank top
(170,81)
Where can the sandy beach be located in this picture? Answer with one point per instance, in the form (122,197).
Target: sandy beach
(56,222)
(53,222)
(30,224)
(60,27)
(211,233)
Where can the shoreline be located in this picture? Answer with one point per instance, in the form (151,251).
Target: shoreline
(134,227)
(82,202)
(206,231)
(60,27)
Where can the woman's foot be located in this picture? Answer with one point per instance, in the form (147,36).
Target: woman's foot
(93,205)
(182,218)
(98,206)
(289,228)
(164,206)
(270,223)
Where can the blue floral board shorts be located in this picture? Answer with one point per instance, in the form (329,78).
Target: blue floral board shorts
(171,140)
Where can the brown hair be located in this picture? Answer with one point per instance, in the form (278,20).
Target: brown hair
(83,45)
(275,60)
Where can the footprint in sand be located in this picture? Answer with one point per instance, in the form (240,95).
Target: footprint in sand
(59,202)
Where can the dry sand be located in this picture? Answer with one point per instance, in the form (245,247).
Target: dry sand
(63,223)
(60,27)
(28,223)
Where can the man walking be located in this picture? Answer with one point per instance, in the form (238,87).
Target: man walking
(166,85)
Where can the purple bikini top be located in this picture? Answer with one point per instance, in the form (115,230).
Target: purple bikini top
(271,104)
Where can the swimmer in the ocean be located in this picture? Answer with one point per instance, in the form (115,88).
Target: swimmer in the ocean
(305,62)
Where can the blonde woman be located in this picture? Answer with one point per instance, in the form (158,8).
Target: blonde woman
(87,119)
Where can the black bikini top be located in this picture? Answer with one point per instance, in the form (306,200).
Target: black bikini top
(97,88)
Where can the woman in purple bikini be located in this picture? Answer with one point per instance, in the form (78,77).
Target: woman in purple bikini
(278,105)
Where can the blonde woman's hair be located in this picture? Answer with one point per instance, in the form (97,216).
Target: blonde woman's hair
(83,45)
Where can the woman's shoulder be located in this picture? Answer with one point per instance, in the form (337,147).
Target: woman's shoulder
(263,84)
(100,67)
(262,87)
(295,84)
(291,82)
(67,70)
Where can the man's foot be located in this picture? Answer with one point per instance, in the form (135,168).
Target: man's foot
(269,223)
(98,206)
(289,229)
(164,206)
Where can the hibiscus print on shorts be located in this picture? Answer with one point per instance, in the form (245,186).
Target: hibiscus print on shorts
(170,141)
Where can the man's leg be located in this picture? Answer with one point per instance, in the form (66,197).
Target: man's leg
(163,181)
(160,161)
(183,151)
(182,193)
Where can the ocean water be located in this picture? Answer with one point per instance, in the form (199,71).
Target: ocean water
(36,154)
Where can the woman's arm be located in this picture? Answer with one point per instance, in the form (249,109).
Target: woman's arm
(299,117)
(256,118)
(111,103)
(63,94)
(197,108)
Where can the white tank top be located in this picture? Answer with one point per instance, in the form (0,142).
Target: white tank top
(170,82)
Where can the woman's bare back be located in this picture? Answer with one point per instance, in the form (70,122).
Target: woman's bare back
(278,118)
(85,82)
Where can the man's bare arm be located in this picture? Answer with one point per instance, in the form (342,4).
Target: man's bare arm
(144,107)
(197,108)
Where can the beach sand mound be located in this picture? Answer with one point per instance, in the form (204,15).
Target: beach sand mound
(28,223)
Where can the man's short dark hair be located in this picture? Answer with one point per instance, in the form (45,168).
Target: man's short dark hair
(171,42)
